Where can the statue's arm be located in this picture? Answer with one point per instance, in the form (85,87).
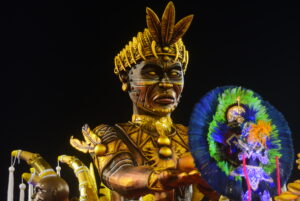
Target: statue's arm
(120,174)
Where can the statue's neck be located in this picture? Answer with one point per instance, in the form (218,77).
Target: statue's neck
(161,125)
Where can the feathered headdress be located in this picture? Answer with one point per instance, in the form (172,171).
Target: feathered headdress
(161,38)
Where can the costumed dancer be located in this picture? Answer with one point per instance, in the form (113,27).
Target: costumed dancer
(241,144)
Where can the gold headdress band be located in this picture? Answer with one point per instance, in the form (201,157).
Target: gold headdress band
(161,38)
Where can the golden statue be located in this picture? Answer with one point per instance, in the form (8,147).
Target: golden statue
(148,157)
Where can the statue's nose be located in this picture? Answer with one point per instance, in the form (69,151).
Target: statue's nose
(165,85)
(165,82)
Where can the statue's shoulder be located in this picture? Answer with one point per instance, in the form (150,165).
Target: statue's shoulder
(181,129)
(110,135)
(105,130)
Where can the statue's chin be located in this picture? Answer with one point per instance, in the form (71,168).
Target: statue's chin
(158,111)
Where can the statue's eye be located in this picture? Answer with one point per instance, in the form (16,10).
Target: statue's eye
(174,74)
(152,73)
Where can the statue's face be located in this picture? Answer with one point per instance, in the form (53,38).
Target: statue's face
(156,86)
(51,189)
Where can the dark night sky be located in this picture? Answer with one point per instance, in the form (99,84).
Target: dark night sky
(57,66)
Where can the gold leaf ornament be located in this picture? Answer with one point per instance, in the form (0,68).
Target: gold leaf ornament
(167,24)
(181,28)
(153,24)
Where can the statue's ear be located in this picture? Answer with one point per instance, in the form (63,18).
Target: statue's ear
(123,76)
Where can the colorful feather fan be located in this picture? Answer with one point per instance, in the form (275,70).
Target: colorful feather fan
(241,144)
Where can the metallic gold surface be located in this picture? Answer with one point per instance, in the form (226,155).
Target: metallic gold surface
(286,196)
(163,140)
(131,182)
(100,149)
(124,86)
(186,163)
(293,192)
(165,152)
(87,184)
(161,125)
(28,177)
(144,132)
(234,113)
(48,184)
(91,141)
(42,168)
(162,84)
(223,198)
(142,157)
(197,195)
(294,188)
(161,38)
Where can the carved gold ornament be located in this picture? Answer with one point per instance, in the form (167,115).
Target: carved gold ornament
(161,38)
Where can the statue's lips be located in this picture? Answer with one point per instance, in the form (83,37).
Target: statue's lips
(164,99)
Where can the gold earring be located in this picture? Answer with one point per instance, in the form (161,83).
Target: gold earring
(124,86)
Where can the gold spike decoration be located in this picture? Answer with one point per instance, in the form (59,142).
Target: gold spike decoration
(41,166)
(86,179)
(160,38)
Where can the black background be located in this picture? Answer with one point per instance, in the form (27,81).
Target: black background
(57,66)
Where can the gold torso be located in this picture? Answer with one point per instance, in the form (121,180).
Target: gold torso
(160,141)
(130,157)
(148,135)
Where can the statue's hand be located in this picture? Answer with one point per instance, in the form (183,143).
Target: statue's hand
(91,141)
(186,163)
(171,179)
(184,173)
